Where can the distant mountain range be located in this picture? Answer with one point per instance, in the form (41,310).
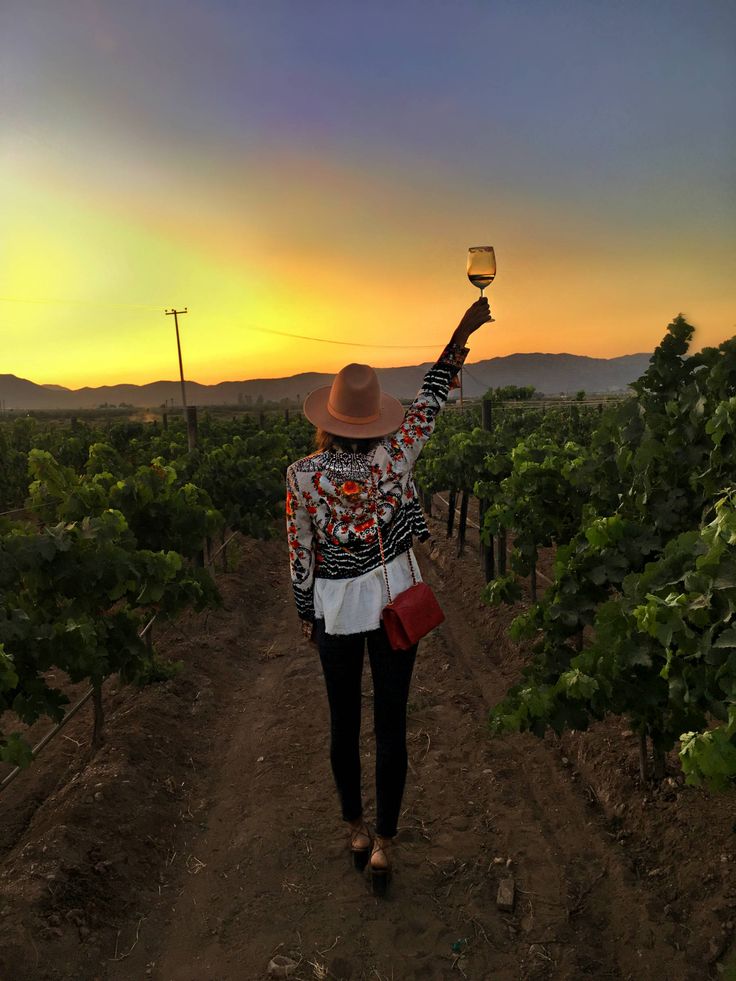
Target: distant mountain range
(551,374)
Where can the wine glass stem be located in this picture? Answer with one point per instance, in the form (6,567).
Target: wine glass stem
(481,290)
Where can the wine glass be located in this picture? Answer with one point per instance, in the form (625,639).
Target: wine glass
(481,266)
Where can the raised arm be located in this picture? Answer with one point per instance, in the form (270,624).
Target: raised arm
(419,421)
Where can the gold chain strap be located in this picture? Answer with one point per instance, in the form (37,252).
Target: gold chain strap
(380,541)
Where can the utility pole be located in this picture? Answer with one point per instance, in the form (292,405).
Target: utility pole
(190,411)
(178,347)
(462,407)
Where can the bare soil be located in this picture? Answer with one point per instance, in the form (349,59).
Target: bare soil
(204,838)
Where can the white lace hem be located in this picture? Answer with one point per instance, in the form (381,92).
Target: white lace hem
(353,606)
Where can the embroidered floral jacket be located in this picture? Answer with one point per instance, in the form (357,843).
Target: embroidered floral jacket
(330,500)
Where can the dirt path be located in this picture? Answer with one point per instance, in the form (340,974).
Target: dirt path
(274,875)
(249,859)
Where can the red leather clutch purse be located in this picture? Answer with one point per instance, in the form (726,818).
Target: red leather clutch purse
(411,615)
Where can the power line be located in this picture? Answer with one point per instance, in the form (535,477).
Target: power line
(51,301)
(474,377)
(326,340)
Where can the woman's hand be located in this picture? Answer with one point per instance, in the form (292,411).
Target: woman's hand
(473,318)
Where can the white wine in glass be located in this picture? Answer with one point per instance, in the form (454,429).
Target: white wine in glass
(481,266)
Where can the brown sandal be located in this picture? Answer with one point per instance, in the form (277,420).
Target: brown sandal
(380,874)
(360,851)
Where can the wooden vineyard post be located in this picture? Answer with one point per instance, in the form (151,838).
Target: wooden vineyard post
(286,416)
(501,565)
(658,760)
(427,502)
(451,498)
(487,558)
(486,551)
(643,759)
(261,419)
(533,580)
(501,551)
(192,426)
(481,520)
(98,726)
(165,420)
(656,772)
(464,501)
(658,757)
(487,414)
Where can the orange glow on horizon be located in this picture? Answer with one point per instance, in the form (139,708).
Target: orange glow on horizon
(88,276)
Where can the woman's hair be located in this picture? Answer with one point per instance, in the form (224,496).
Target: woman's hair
(343,444)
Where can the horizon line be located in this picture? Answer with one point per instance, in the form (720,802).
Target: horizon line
(298,374)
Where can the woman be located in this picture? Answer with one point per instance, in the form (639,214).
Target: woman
(362,471)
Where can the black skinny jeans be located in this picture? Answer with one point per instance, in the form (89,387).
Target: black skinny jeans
(342,663)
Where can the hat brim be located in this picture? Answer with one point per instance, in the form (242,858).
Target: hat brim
(390,417)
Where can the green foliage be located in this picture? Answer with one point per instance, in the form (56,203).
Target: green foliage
(710,757)
(538,498)
(245,479)
(651,570)
(437,469)
(504,589)
(73,597)
(638,502)
(157,669)
(160,510)
(118,516)
(511,393)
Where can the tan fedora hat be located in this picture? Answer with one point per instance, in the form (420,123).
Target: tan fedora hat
(354,405)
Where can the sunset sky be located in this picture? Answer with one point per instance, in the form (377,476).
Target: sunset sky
(319,168)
